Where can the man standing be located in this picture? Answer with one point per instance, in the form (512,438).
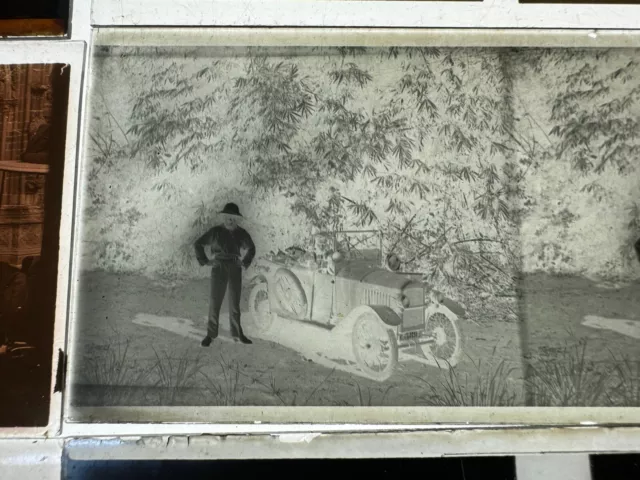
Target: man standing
(226,241)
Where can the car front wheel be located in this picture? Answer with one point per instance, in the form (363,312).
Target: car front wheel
(443,330)
(374,346)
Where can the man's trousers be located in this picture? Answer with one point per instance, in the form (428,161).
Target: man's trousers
(225,274)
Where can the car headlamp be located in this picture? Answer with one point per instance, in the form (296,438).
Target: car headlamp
(436,296)
(404,300)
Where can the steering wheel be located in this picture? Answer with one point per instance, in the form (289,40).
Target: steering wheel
(291,251)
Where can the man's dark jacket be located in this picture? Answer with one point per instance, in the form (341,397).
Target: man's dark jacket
(225,245)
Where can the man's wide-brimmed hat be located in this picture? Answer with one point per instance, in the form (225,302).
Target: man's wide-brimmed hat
(231,209)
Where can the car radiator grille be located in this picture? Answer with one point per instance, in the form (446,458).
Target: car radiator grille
(375,297)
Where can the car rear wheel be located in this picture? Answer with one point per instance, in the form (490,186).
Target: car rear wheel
(374,346)
(289,293)
(261,318)
(446,340)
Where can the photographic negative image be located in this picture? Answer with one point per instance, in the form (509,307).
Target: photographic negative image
(33,99)
(347,226)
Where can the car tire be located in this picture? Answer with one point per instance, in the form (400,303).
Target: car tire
(444,325)
(261,316)
(289,293)
(372,339)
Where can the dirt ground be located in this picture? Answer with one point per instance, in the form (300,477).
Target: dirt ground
(119,362)
(554,306)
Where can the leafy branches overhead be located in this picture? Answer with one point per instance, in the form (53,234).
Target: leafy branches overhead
(278,99)
(172,120)
(346,161)
(349,141)
(350,73)
(595,119)
(420,143)
(277,92)
(355,142)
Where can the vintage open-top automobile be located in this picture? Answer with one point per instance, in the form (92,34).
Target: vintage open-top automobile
(345,282)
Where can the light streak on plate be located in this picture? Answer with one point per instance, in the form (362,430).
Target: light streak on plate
(302,338)
(629,328)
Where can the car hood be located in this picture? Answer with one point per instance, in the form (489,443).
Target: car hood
(366,273)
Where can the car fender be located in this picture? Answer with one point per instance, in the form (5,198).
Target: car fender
(257,278)
(384,313)
(454,307)
(260,271)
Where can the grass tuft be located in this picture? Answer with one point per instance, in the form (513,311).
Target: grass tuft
(490,385)
(625,383)
(226,388)
(116,371)
(175,374)
(569,379)
(368,399)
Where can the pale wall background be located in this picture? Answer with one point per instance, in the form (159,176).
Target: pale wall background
(143,220)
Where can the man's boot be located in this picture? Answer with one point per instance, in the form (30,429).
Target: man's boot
(242,339)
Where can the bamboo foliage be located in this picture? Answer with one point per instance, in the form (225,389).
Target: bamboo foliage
(428,145)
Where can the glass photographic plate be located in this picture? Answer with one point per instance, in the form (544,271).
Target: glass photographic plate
(444,227)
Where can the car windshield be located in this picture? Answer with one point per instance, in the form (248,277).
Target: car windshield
(354,245)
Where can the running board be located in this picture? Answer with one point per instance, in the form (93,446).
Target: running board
(313,323)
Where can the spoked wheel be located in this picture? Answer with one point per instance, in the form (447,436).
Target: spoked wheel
(289,293)
(374,346)
(260,307)
(445,344)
